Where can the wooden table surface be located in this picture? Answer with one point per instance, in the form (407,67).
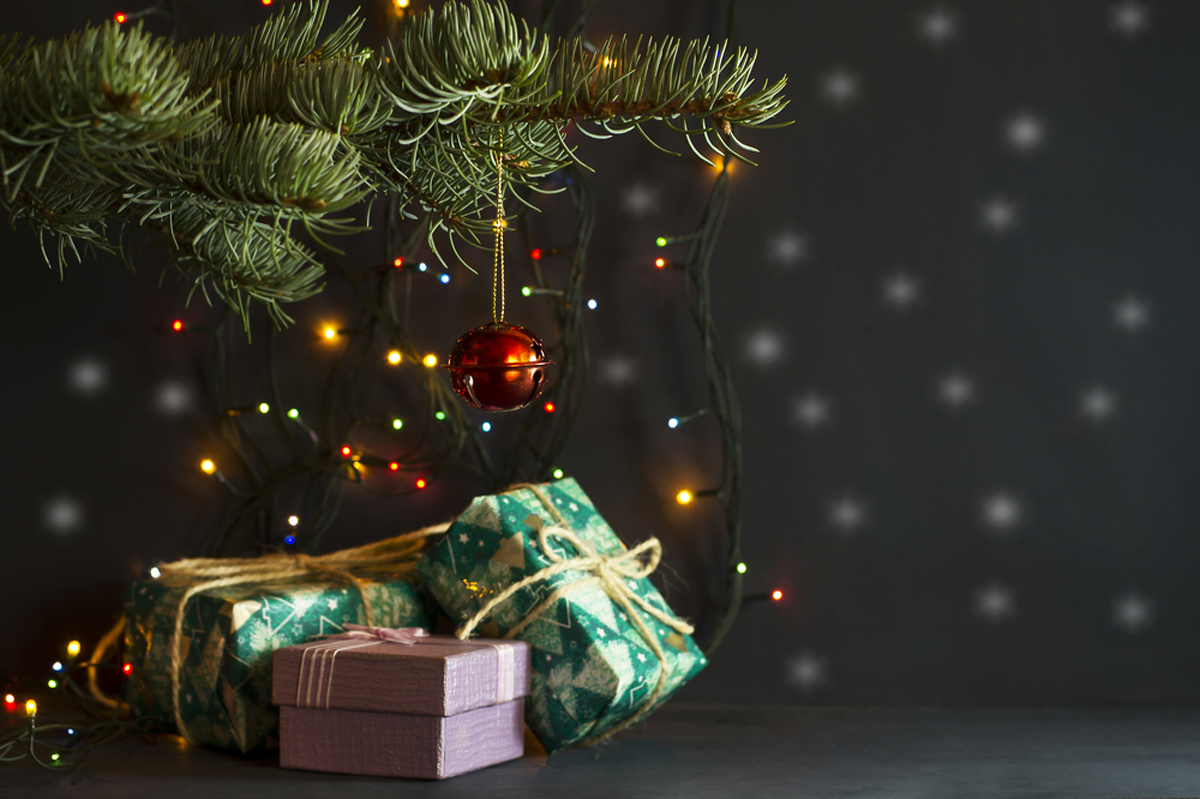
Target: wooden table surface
(727,751)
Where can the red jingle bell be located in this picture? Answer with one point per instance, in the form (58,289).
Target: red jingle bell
(498,367)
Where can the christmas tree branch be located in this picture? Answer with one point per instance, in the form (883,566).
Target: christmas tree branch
(230,146)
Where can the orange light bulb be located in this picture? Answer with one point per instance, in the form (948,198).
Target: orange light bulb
(777,595)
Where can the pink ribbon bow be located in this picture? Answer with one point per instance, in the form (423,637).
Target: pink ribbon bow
(396,635)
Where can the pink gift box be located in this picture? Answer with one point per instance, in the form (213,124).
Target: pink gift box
(429,709)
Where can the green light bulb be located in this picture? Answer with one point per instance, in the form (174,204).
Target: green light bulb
(661,241)
(440,415)
(397,424)
(293,414)
(558,474)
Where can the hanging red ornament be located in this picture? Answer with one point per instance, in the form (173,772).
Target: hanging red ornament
(498,367)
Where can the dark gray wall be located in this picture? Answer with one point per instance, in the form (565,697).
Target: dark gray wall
(959,295)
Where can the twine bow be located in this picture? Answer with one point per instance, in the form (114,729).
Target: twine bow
(612,574)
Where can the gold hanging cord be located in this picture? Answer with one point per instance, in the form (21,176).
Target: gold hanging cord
(498,249)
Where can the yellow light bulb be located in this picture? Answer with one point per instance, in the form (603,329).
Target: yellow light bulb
(207,466)
(293,520)
(684,497)
(329,333)
(394,357)
(431,360)
(73,648)
(30,708)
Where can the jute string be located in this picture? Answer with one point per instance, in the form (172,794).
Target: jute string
(392,555)
(611,573)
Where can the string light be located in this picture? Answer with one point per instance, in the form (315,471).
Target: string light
(73,648)
(486,427)
(393,357)
(264,407)
(289,540)
(293,520)
(54,756)
(266,2)
(536,254)
(592,304)
(128,669)
(155,572)
(526,291)
(207,466)
(558,474)
(394,466)
(10,703)
(30,707)
(430,360)
(440,416)
(57,666)
(397,424)
(293,414)
(673,422)
(445,278)
(661,241)
(399,262)
(660,263)
(329,333)
(346,451)
(52,683)
(120,17)
(776,595)
(177,325)
(741,568)
(684,497)
(421,482)
(549,407)
(422,266)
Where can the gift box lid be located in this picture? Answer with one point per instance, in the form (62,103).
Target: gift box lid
(400,671)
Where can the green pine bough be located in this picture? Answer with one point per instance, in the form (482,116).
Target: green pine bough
(245,155)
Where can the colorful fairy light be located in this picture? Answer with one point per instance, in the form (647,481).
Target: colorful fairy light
(422,267)
(289,540)
(741,568)
(207,466)
(445,278)
(127,668)
(660,263)
(58,666)
(293,520)
(264,407)
(155,572)
(673,422)
(684,497)
(293,414)
(549,407)
(592,305)
(440,416)
(558,474)
(486,427)
(394,466)
(536,254)
(177,325)
(73,648)
(120,17)
(30,707)
(430,360)
(346,451)
(393,357)
(52,684)
(421,482)
(397,424)
(776,595)
(10,703)
(526,291)
(329,333)
(399,262)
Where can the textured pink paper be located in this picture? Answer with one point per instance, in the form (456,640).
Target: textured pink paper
(400,745)
(430,679)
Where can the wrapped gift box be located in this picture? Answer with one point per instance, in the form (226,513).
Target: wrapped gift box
(228,637)
(593,669)
(429,708)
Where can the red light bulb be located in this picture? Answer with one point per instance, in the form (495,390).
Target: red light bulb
(399,262)
(395,467)
(119,17)
(777,595)
(346,451)
(177,325)
(421,482)
(549,406)
(536,255)
(127,668)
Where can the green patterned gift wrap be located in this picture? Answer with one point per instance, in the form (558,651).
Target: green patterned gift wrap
(592,668)
(228,637)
